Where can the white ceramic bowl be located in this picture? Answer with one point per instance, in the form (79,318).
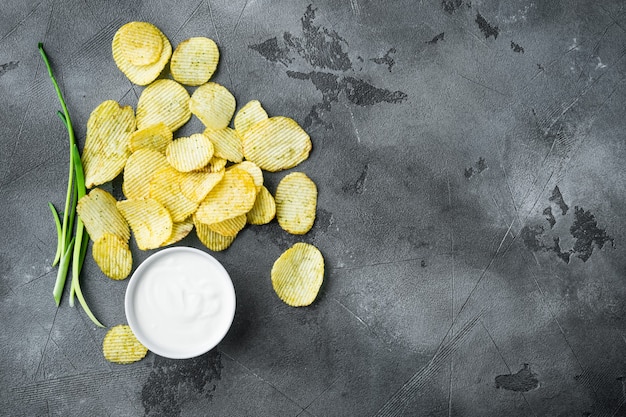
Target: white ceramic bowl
(180,302)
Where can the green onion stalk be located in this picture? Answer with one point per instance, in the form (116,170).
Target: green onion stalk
(72,238)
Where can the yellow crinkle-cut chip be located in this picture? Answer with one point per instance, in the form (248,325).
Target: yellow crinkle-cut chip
(138,171)
(106,146)
(140,42)
(197,184)
(149,220)
(252,169)
(180,230)
(163,101)
(165,188)
(155,137)
(233,196)
(194,61)
(296,203)
(264,208)
(113,256)
(130,49)
(190,153)
(98,212)
(121,346)
(213,104)
(215,165)
(248,115)
(276,143)
(229,227)
(297,274)
(211,239)
(227,143)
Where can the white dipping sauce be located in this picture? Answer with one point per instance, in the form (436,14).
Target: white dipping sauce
(180,302)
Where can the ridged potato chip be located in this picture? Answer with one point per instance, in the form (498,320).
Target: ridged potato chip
(140,42)
(165,188)
(113,256)
(233,196)
(264,208)
(138,171)
(189,153)
(98,212)
(197,184)
(297,274)
(106,146)
(227,143)
(213,104)
(211,239)
(215,165)
(276,143)
(149,220)
(127,52)
(121,346)
(296,202)
(248,115)
(194,61)
(252,169)
(163,101)
(180,230)
(155,137)
(229,227)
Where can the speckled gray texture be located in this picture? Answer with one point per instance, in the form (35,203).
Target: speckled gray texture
(470,164)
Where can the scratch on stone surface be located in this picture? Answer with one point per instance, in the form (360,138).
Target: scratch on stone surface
(30,170)
(395,406)
(356,130)
(239,17)
(324,391)
(186,22)
(219,40)
(251,372)
(483,85)
(67,386)
(21,22)
(43,352)
(353,314)
(355,7)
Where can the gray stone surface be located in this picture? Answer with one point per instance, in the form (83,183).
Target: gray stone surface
(470,164)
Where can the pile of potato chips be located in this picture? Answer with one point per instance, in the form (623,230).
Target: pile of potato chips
(210,181)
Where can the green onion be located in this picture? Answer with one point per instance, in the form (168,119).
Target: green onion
(70,247)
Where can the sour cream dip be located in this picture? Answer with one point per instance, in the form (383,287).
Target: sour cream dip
(180,302)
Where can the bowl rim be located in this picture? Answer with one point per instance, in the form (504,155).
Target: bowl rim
(132,288)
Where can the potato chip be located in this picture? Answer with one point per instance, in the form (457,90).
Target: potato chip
(296,202)
(189,153)
(215,165)
(113,256)
(121,346)
(163,101)
(140,42)
(227,143)
(264,208)
(155,137)
(138,171)
(233,196)
(248,115)
(124,58)
(165,188)
(213,104)
(149,220)
(229,227)
(212,240)
(106,146)
(194,61)
(98,212)
(180,230)
(276,144)
(197,184)
(254,171)
(297,274)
